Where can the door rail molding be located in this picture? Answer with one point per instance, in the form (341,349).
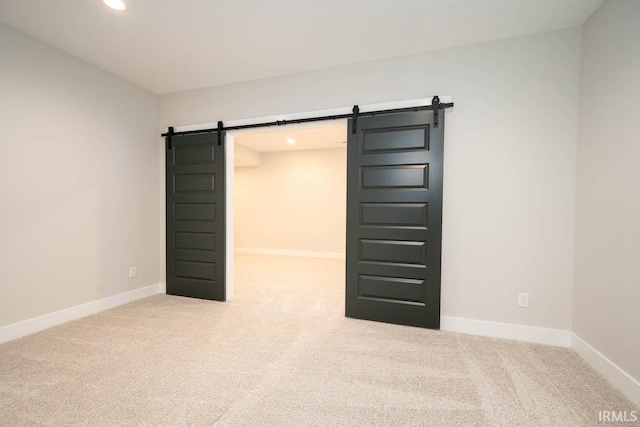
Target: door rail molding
(434,105)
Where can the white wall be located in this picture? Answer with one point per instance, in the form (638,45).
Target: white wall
(245,156)
(607,274)
(509,180)
(293,201)
(78,181)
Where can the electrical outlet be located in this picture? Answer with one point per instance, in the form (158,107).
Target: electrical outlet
(523,300)
(132,272)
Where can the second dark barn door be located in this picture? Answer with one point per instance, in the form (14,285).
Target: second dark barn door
(196,217)
(394,219)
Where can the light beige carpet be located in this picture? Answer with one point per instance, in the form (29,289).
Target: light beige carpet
(282,353)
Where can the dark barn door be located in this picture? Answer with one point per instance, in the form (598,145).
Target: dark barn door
(196,217)
(394,219)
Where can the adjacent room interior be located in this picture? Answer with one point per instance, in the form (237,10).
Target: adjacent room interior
(289,207)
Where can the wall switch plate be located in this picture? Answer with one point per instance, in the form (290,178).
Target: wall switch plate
(523,300)
(132,272)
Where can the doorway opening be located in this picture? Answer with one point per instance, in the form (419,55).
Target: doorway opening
(289,218)
(394,186)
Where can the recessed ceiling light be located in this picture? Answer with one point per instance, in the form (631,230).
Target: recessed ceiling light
(291,141)
(116,5)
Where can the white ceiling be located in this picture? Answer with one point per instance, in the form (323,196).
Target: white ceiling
(312,136)
(175,45)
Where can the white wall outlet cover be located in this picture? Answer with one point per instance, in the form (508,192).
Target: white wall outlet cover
(132,272)
(523,300)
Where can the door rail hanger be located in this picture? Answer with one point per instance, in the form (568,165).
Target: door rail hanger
(220,129)
(168,136)
(354,121)
(435,103)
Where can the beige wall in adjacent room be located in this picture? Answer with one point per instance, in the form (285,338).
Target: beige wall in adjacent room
(607,268)
(295,200)
(510,153)
(79,190)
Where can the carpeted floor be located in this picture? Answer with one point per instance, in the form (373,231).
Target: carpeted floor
(282,353)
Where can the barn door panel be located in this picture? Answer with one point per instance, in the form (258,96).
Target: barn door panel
(394,218)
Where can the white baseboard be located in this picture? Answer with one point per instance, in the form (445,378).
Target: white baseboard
(30,326)
(612,372)
(286,252)
(510,331)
